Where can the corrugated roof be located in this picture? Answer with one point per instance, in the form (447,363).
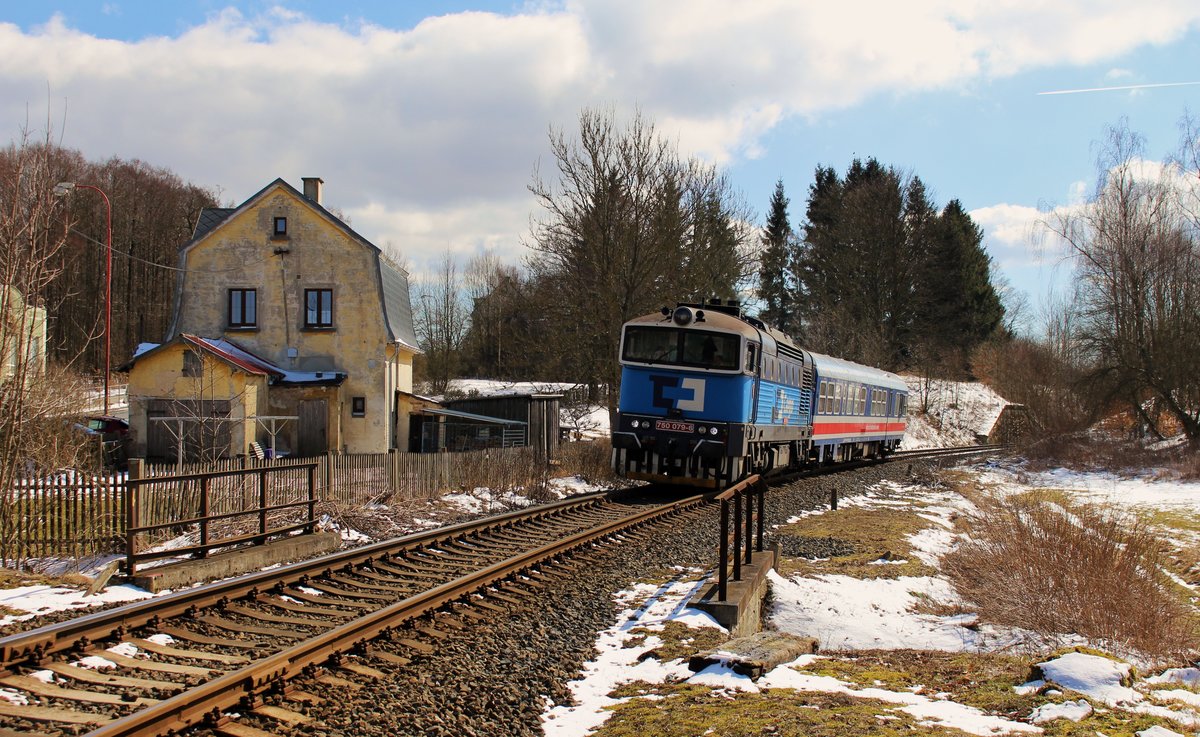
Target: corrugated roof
(235,355)
(470,416)
(240,358)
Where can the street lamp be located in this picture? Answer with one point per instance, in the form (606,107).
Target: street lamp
(64,188)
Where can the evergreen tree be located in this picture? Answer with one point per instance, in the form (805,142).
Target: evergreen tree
(775,279)
(884,279)
(964,308)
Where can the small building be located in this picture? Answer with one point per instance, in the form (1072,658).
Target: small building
(281,311)
(530,419)
(22,335)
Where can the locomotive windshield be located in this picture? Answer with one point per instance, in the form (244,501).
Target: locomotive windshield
(699,348)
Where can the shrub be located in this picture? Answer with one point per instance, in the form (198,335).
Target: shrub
(1056,568)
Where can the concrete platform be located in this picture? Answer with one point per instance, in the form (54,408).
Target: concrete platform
(741,612)
(235,562)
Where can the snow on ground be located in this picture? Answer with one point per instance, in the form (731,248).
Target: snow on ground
(846,613)
(617,662)
(35,600)
(943,413)
(42,599)
(852,613)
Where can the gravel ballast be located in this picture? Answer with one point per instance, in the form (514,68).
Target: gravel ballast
(497,675)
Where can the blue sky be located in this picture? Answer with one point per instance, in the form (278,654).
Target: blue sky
(427,119)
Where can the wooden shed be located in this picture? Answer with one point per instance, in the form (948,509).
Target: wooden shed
(538,412)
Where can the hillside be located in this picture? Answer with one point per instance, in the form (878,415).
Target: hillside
(943,413)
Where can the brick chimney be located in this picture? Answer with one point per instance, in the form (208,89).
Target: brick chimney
(312,188)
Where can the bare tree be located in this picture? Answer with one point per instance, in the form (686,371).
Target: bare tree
(441,321)
(628,226)
(1137,258)
(39,403)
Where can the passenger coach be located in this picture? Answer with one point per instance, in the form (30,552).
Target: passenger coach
(709,395)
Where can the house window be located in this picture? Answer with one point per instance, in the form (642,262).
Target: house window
(243,312)
(191,363)
(318,308)
(358,406)
(280,227)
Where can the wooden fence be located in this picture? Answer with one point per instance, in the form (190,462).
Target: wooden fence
(79,515)
(67,514)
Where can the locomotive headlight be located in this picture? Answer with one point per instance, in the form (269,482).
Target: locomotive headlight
(634,424)
(712,431)
(700,429)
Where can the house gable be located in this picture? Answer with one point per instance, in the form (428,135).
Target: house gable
(284,279)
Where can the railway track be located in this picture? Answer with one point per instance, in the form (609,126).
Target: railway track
(182,660)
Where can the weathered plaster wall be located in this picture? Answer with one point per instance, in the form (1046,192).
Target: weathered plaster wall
(160,375)
(242,253)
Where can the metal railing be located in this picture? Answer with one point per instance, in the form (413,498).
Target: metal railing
(738,503)
(212,501)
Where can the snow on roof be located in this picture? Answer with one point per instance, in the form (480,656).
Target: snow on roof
(494,388)
(249,362)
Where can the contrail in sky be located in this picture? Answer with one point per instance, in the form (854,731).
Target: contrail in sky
(1122,87)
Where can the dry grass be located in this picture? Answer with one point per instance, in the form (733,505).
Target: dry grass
(877,537)
(1052,567)
(591,460)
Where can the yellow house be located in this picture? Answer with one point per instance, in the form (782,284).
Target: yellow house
(289,329)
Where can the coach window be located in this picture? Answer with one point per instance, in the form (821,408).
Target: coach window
(862,400)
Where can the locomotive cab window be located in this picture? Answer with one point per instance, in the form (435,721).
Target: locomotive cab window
(698,348)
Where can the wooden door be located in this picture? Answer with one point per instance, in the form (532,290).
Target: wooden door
(314,437)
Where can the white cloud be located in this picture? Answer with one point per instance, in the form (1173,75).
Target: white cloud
(1012,233)
(429,135)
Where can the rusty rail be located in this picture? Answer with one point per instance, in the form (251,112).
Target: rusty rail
(191,707)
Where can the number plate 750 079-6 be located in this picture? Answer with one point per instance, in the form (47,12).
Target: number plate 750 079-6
(674,426)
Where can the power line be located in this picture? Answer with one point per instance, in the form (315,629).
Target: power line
(131,257)
(1120,87)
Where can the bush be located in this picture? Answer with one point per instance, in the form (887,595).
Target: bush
(1094,452)
(591,460)
(1056,568)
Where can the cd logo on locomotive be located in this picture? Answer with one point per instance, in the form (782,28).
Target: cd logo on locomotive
(676,392)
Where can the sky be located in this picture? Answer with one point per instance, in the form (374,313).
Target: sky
(428,120)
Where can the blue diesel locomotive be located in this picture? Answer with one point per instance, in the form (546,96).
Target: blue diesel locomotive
(709,395)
